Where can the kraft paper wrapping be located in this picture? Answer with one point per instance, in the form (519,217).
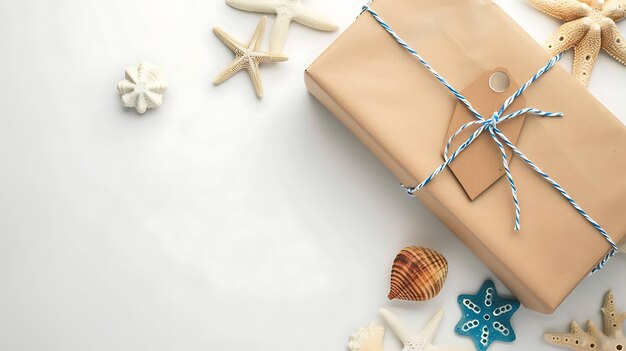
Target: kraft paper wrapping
(402,113)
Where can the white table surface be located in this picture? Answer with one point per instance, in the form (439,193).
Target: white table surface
(217,222)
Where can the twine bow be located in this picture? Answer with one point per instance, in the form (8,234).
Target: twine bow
(498,137)
(491,125)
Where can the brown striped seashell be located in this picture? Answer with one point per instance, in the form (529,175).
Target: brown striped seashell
(418,274)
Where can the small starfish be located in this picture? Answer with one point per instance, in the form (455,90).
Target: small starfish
(486,317)
(247,56)
(286,11)
(589,26)
(421,341)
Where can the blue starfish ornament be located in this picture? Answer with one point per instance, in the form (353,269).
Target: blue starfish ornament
(486,317)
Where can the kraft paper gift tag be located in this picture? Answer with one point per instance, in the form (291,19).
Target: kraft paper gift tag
(480,166)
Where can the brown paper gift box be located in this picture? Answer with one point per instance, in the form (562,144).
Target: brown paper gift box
(402,114)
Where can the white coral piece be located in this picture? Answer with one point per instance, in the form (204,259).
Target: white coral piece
(611,339)
(367,339)
(143,87)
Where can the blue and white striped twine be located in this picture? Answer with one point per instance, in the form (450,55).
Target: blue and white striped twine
(498,137)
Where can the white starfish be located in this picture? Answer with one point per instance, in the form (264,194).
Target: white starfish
(247,56)
(421,341)
(286,11)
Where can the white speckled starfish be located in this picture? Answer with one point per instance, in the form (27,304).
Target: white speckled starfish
(421,341)
(247,56)
(286,11)
(589,26)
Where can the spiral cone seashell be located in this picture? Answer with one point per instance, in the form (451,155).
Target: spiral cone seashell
(143,87)
(418,274)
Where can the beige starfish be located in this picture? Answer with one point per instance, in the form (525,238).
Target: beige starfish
(286,11)
(589,26)
(247,56)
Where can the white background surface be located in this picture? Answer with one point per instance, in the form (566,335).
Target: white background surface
(217,222)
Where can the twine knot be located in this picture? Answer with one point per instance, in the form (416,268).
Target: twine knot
(493,121)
